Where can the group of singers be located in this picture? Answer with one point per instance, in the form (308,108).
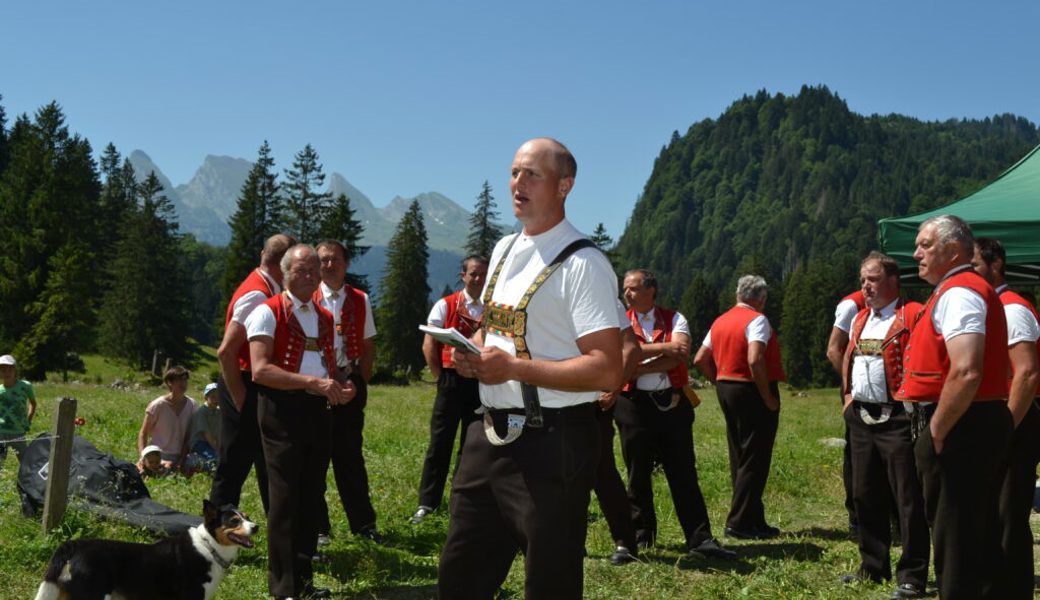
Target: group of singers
(938,399)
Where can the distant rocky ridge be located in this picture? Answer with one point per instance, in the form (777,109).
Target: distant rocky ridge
(205,204)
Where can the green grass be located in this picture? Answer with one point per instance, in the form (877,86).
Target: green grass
(804,498)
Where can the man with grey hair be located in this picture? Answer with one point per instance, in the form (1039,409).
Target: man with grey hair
(741,356)
(956,374)
(293,354)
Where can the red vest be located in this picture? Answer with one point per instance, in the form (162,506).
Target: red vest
(857,298)
(255,282)
(927,363)
(351,325)
(891,347)
(663,317)
(1007,298)
(290,341)
(457,316)
(730,346)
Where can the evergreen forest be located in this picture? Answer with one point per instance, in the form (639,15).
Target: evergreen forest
(788,187)
(791,188)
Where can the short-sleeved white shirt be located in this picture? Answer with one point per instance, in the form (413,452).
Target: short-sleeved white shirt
(261,323)
(439,312)
(844,313)
(335,306)
(868,371)
(579,299)
(758,330)
(623,321)
(1021,324)
(658,381)
(250,300)
(959,310)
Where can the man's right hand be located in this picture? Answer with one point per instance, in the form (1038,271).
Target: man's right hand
(334,391)
(772,403)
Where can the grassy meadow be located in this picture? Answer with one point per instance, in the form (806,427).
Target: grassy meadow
(804,498)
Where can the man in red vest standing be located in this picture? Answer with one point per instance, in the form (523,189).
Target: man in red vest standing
(838,342)
(292,349)
(957,360)
(457,396)
(880,438)
(240,447)
(1016,495)
(656,421)
(355,353)
(741,356)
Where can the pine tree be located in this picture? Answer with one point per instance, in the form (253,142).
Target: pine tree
(605,243)
(403,297)
(306,208)
(147,307)
(700,308)
(484,233)
(48,220)
(257,218)
(341,225)
(4,143)
(62,317)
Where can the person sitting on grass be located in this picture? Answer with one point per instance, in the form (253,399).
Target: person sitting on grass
(17,408)
(205,432)
(167,421)
(151,464)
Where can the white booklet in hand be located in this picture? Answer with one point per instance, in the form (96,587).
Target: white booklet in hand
(451,337)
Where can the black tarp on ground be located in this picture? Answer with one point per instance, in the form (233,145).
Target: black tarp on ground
(99,483)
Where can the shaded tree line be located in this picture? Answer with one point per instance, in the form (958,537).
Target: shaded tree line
(791,188)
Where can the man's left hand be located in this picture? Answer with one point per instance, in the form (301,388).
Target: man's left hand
(492,366)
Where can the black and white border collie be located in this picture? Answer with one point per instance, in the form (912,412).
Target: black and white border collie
(186,566)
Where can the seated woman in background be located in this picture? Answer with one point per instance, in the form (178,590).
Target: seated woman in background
(167,421)
(205,432)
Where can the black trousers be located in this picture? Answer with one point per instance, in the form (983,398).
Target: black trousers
(295,460)
(648,435)
(345,430)
(610,489)
(530,496)
(750,432)
(1016,501)
(883,465)
(240,447)
(961,487)
(457,398)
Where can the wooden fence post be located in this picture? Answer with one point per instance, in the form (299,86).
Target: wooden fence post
(56,499)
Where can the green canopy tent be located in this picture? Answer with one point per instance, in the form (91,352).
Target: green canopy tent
(1007,209)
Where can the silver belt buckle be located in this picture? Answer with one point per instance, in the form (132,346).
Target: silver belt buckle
(514,427)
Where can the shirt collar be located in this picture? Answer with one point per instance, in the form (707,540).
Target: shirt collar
(297,303)
(1001,288)
(467,298)
(885,311)
(326,291)
(952,272)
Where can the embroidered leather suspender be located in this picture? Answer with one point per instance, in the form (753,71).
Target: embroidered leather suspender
(504,320)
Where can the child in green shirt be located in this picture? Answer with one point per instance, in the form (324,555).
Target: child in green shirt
(17,408)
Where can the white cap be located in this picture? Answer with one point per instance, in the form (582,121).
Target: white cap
(210,387)
(7,359)
(149,449)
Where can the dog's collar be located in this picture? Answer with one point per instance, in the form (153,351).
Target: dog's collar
(217,558)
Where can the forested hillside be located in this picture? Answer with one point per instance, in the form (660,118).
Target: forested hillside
(791,187)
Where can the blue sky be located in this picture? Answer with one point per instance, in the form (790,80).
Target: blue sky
(408,97)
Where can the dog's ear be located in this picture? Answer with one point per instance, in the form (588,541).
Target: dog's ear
(209,510)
